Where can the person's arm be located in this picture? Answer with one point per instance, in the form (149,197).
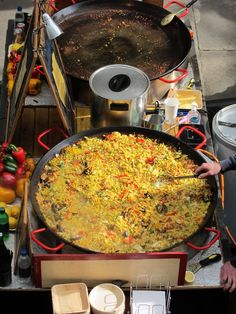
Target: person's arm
(228,164)
(213,168)
(208,169)
(228,269)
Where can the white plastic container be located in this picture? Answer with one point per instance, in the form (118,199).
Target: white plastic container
(171,109)
(107,298)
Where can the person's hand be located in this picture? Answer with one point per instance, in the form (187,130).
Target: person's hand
(208,169)
(228,276)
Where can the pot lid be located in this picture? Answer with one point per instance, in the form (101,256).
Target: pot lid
(119,82)
(224,124)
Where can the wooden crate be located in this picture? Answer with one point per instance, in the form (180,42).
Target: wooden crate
(33,121)
(83,118)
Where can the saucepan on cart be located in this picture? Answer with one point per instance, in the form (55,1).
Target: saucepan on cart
(96,191)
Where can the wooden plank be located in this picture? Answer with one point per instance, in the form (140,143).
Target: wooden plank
(83,118)
(27,136)
(54,121)
(16,137)
(23,74)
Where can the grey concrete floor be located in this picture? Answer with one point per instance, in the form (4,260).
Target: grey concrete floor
(214,24)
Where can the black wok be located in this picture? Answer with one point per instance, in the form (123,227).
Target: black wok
(159,136)
(98,33)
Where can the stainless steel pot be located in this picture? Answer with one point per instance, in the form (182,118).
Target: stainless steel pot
(119,96)
(158,87)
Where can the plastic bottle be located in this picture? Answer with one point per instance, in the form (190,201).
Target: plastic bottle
(4,223)
(24,266)
(19,15)
(194,116)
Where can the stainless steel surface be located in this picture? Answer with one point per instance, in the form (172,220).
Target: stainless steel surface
(119,96)
(223,133)
(154,122)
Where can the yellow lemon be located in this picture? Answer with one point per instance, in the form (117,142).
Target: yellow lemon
(189,276)
(12,223)
(3,204)
(8,211)
(15,211)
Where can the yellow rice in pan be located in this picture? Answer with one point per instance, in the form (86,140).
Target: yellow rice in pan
(116,195)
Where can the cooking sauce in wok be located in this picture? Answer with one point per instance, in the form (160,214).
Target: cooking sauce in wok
(114,36)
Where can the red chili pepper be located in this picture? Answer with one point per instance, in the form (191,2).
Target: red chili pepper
(128,240)
(109,137)
(150,160)
(3,146)
(18,153)
(2,167)
(20,172)
(140,140)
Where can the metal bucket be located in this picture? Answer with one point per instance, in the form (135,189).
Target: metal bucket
(154,122)
(224,139)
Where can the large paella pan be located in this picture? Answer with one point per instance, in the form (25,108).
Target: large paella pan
(98,33)
(108,190)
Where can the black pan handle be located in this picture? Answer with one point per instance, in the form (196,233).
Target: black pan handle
(229,124)
(191,3)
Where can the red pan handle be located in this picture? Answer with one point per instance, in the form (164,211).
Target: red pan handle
(180,4)
(196,131)
(47,132)
(207,246)
(45,247)
(38,69)
(177,79)
(52,5)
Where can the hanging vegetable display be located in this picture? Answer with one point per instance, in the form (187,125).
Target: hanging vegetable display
(15,168)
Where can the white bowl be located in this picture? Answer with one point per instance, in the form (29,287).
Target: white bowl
(107,298)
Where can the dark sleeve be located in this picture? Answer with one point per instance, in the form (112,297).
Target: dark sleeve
(225,248)
(233,261)
(228,164)
(228,253)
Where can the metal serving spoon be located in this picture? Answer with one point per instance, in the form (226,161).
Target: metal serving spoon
(170,178)
(185,177)
(169,17)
